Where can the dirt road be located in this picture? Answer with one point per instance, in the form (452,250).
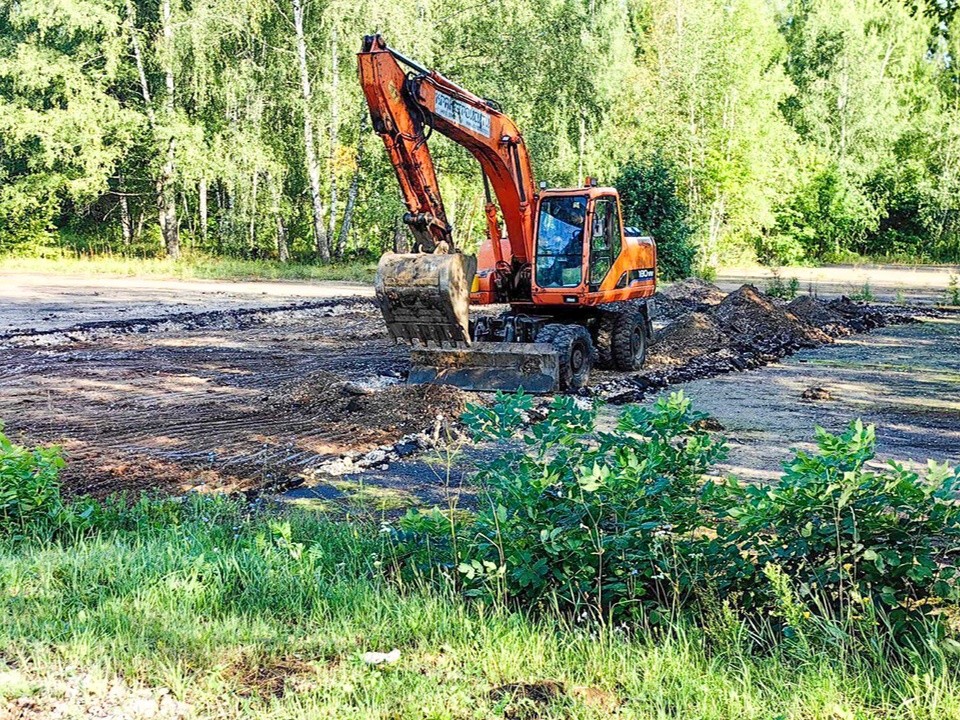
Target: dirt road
(248,386)
(888,283)
(44,302)
(37,301)
(905,379)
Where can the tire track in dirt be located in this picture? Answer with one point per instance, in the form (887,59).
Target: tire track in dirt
(196,399)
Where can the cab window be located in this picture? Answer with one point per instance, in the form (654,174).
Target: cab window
(605,240)
(560,241)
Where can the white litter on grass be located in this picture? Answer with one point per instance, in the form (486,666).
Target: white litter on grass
(377,658)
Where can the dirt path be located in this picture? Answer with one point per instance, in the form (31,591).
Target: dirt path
(888,283)
(905,379)
(46,302)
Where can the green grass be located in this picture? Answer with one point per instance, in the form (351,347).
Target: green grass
(189,267)
(241,616)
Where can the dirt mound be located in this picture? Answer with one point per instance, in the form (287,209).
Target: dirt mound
(695,291)
(685,338)
(690,295)
(861,317)
(756,323)
(371,415)
(819,314)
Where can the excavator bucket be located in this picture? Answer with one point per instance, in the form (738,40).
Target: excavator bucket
(425,298)
(425,302)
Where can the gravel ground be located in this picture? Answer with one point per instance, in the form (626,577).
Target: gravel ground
(905,379)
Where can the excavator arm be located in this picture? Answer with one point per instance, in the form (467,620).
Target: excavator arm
(407,102)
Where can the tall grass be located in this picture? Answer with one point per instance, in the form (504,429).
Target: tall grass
(256,615)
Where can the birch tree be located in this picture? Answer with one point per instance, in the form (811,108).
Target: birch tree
(321,240)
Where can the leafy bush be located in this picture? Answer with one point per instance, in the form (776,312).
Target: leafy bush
(776,287)
(593,521)
(30,501)
(953,290)
(648,194)
(849,537)
(626,523)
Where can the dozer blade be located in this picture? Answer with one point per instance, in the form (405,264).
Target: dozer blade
(426,297)
(488,366)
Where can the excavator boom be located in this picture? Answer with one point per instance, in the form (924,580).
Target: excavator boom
(425,295)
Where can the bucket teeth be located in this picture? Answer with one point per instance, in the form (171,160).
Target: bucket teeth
(425,301)
(426,298)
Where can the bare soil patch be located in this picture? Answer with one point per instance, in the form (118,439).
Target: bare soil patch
(745,330)
(254,399)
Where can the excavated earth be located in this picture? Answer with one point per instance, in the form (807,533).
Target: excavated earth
(265,399)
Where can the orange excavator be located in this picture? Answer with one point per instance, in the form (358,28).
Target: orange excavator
(577,282)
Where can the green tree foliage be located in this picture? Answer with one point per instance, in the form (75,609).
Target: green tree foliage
(802,130)
(61,131)
(648,195)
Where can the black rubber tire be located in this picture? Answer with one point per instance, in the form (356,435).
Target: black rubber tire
(628,340)
(604,339)
(576,354)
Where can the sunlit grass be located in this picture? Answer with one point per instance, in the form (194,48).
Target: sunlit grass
(239,619)
(190,267)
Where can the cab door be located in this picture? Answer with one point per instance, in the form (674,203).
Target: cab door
(605,239)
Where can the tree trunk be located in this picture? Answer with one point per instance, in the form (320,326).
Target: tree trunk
(310,151)
(581,145)
(126,221)
(166,192)
(283,248)
(400,244)
(202,204)
(252,232)
(334,121)
(352,192)
(139,231)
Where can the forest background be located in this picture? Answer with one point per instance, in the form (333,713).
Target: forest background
(779,131)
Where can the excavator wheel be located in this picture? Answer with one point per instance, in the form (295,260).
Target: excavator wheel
(575,353)
(622,339)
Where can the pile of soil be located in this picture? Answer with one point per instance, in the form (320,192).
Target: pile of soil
(696,291)
(818,314)
(861,317)
(745,330)
(689,336)
(690,295)
(757,324)
(368,415)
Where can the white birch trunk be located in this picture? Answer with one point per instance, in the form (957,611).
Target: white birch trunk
(166,192)
(334,121)
(202,205)
(310,151)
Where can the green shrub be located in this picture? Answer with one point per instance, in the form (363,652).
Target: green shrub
(864,293)
(592,521)
(776,287)
(849,537)
(953,290)
(626,524)
(30,502)
(651,201)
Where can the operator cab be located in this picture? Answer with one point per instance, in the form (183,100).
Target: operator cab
(582,252)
